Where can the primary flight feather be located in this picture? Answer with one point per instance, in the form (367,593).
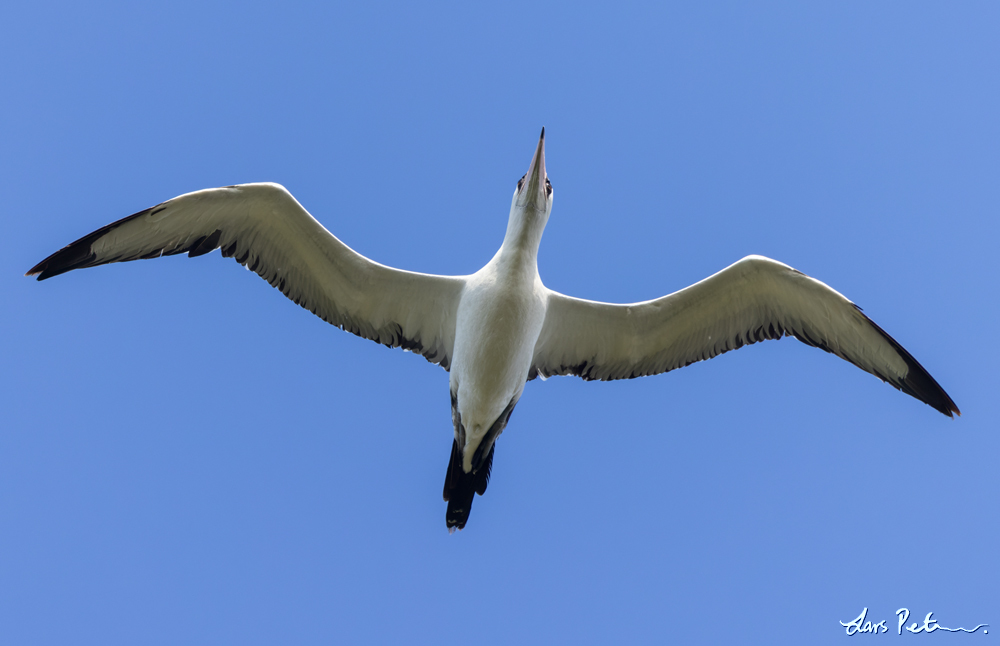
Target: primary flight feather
(500,327)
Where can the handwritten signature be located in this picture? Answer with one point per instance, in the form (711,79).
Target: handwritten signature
(862,625)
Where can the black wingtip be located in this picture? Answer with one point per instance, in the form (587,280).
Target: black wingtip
(78,254)
(918,382)
(68,258)
(543,133)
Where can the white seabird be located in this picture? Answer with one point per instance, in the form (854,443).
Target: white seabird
(500,327)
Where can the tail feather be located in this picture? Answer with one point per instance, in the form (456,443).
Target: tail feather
(460,488)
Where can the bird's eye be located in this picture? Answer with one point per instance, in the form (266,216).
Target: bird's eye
(548,187)
(520,182)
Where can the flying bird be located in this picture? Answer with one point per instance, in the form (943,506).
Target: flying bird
(500,327)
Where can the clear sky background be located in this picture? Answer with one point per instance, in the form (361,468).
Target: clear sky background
(188,457)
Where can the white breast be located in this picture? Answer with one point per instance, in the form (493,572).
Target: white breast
(499,319)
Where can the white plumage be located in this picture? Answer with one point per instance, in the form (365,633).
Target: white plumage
(500,327)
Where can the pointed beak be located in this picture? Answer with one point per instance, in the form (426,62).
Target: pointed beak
(533,191)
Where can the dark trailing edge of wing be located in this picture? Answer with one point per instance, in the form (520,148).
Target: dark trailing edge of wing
(79,255)
(917,383)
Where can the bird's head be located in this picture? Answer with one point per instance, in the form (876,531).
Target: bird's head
(533,195)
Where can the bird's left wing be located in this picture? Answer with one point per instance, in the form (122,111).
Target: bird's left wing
(263,227)
(752,300)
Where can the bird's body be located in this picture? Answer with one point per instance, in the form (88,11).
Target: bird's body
(499,319)
(500,327)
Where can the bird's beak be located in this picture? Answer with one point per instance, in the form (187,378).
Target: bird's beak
(533,193)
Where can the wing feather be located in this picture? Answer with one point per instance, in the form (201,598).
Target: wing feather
(264,228)
(752,300)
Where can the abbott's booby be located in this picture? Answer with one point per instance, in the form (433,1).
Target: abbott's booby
(500,327)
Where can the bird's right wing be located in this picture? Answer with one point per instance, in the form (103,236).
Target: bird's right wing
(752,300)
(263,227)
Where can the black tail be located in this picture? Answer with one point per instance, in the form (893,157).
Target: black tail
(461,487)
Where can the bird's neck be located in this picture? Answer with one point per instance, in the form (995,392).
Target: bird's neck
(520,243)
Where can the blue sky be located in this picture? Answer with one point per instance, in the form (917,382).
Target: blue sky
(187,457)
